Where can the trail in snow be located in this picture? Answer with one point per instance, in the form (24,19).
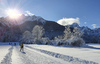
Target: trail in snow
(3,51)
(8,59)
(20,57)
(30,56)
(90,52)
(70,59)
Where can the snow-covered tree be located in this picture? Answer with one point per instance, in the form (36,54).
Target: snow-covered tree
(77,32)
(73,38)
(59,40)
(27,37)
(68,33)
(37,32)
(45,40)
(76,39)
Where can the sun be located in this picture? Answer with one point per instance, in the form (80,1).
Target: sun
(13,13)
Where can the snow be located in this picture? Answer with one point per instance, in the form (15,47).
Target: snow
(30,56)
(4,49)
(89,53)
(47,54)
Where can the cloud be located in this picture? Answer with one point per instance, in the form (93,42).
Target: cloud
(85,22)
(68,21)
(29,13)
(94,25)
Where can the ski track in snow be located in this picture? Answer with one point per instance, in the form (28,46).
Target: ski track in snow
(38,56)
(70,59)
(7,59)
(31,57)
(22,57)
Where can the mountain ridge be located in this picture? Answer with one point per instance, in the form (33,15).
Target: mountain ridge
(52,28)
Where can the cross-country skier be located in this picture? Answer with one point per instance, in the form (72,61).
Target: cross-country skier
(21,47)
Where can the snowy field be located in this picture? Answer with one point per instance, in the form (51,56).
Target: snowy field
(47,54)
(4,49)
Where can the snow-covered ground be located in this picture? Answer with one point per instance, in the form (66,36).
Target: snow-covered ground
(4,49)
(90,53)
(46,54)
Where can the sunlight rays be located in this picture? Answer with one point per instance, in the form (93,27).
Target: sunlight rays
(13,13)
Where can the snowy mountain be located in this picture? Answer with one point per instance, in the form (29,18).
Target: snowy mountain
(89,35)
(90,31)
(86,30)
(33,18)
(16,27)
(52,28)
(74,25)
(23,19)
(12,29)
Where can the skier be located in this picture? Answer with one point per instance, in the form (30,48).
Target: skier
(21,47)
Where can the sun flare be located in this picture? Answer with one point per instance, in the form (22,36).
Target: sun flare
(13,13)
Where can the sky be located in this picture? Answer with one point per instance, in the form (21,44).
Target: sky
(83,12)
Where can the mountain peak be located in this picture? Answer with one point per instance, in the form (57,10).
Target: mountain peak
(74,25)
(23,18)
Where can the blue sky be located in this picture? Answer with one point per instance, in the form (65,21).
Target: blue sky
(88,11)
